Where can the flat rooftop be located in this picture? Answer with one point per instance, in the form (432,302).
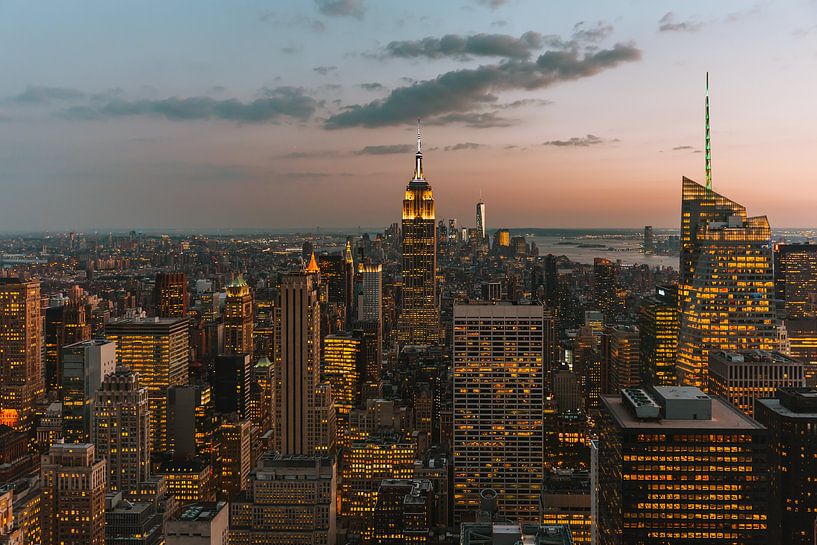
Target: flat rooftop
(200,511)
(724,416)
(776,406)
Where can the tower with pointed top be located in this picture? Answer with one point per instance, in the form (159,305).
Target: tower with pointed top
(419,322)
(349,284)
(238,318)
(708,141)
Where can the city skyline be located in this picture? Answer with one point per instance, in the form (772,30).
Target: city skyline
(561,123)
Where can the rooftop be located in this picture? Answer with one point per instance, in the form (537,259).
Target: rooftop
(724,416)
(200,512)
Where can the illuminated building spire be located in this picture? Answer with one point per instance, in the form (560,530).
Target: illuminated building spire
(708,146)
(313,265)
(418,159)
(348,253)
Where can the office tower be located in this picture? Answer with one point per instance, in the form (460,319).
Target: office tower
(551,280)
(499,533)
(65,323)
(231,384)
(73,496)
(795,279)
(157,350)
(191,421)
(21,377)
(481,225)
(745,376)
(349,283)
(551,354)
(404,512)
(261,395)
(605,287)
(121,429)
(453,232)
(333,277)
(624,357)
(566,391)
(649,241)
(491,291)
(189,480)
(372,337)
(344,368)
(49,430)
(84,366)
(371,307)
(566,501)
(726,282)
(676,466)
(238,318)
(803,345)
(131,523)
(170,295)
(298,402)
(366,464)
(202,523)
(419,315)
(498,406)
(290,499)
(791,419)
(233,457)
(658,325)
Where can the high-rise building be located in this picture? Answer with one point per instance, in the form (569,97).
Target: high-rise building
(21,376)
(191,421)
(366,464)
(744,376)
(298,402)
(190,480)
(349,283)
(726,281)
(201,523)
(290,500)
(795,279)
(231,384)
(649,241)
(566,500)
(676,466)
(605,287)
(498,533)
(65,323)
(624,355)
(419,322)
(233,457)
(333,278)
(802,338)
(238,318)
(658,326)
(404,512)
(121,429)
(157,350)
(371,307)
(261,395)
(84,366)
(481,225)
(344,368)
(499,400)
(791,419)
(134,523)
(73,495)
(170,295)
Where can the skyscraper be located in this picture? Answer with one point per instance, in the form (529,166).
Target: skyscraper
(349,283)
(624,357)
(419,315)
(481,225)
(344,368)
(121,429)
(676,466)
(170,295)
(157,349)
(726,281)
(499,399)
(233,458)
(231,384)
(21,378)
(238,318)
(371,308)
(605,287)
(84,366)
(658,325)
(73,497)
(795,279)
(298,403)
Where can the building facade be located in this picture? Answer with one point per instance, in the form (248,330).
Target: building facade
(658,325)
(84,366)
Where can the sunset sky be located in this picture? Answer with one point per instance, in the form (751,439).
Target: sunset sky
(298,114)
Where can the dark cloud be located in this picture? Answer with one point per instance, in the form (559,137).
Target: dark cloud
(38,94)
(474,120)
(465,146)
(668,23)
(591,34)
(270,106)
(374,86)
(526,102)
(468,90)
(481,45)
(386,149)
(578,142)
(350,8)
(682,148)
(324,70)
(493,4)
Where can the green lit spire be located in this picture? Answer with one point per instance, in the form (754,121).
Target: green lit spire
(708,146)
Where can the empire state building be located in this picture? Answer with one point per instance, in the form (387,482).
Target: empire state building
(419,316)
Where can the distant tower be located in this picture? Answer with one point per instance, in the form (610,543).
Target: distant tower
(708,147)
(170,295)
(419,318)
(238,318)
(349,284)
(481,219)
